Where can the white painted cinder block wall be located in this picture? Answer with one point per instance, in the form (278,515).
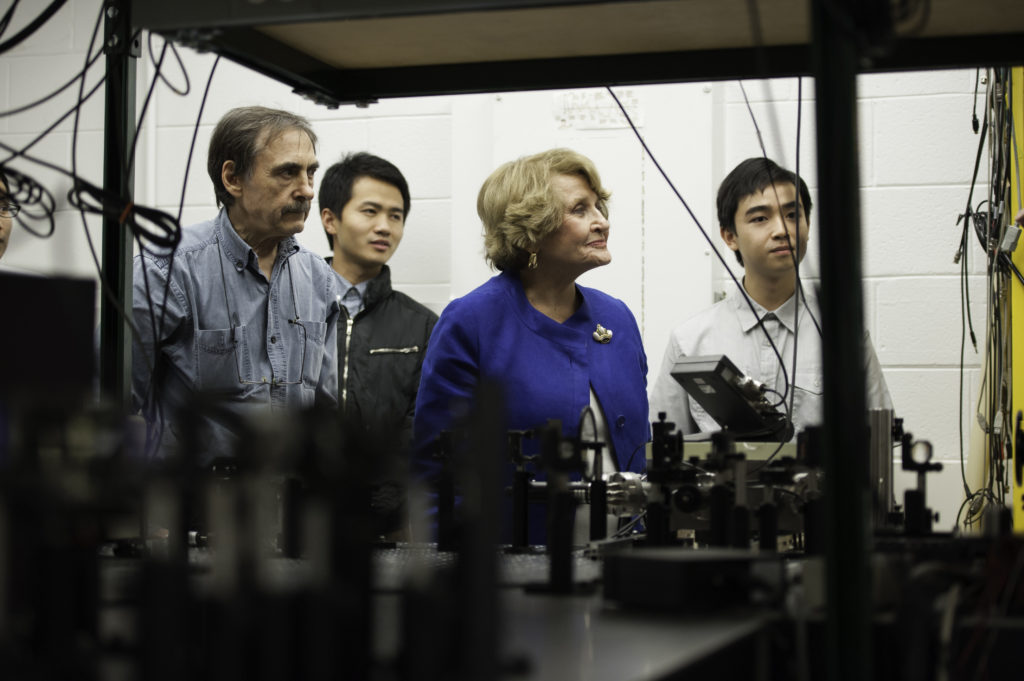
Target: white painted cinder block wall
(917,153)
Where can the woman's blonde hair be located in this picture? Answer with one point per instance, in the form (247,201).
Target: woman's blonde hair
(519,207)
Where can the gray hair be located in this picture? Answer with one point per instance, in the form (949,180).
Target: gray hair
(240,135)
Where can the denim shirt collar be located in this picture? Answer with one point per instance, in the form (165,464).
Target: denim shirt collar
(239,253)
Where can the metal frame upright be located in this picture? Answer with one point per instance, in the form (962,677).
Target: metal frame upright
(121,50)
(836,56)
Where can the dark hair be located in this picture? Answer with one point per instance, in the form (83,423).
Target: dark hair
(336,187)
(240,135)
(753,176)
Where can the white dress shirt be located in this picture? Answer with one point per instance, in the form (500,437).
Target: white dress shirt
(730,328)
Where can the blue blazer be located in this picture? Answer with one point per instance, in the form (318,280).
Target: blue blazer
(545,369)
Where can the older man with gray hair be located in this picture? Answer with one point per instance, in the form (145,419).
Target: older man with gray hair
(239,311)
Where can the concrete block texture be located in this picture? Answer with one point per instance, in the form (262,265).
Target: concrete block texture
(918,321)
(33,77)
(172,154)
(424,256)
(769,90)
(232,86)
(924,140)
(914,230)
(339,137)
(85,17)
(929,402)
(421,146)
(916,83)
(53,37)
(777,123)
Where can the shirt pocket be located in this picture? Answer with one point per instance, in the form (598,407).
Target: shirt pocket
(223,360)
(316,332)
(807,393)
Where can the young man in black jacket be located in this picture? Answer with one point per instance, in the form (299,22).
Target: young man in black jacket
(382,333)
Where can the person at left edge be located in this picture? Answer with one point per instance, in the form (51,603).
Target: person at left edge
(239,310)
(382,333)
(8,209)
(554,347)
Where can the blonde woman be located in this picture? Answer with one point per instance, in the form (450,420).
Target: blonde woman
(555,347)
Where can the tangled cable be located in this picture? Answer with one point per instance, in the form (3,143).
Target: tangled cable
(34,200)
(151,226)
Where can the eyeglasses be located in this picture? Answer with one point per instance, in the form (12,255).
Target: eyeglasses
(294,321)
(8,208)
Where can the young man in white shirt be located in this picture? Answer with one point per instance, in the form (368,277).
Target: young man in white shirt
(763,219)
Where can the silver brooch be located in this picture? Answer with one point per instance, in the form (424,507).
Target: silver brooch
(602,335)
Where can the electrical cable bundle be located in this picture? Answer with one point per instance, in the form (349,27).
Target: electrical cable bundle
(153,230)
(994,408)
(149,225)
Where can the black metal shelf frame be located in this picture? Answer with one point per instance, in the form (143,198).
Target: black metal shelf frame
(828,50)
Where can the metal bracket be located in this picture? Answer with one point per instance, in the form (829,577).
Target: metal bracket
(323,98)
(117,34)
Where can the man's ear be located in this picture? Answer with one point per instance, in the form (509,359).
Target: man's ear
(230,179)
(729,238)
(329,220)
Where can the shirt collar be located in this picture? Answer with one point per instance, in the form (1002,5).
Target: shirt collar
(346,285)
(240,253)
(786,313)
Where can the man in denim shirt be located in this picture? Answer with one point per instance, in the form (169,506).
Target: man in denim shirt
(239,313)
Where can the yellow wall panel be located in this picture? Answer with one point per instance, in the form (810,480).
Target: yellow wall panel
(1017,293)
